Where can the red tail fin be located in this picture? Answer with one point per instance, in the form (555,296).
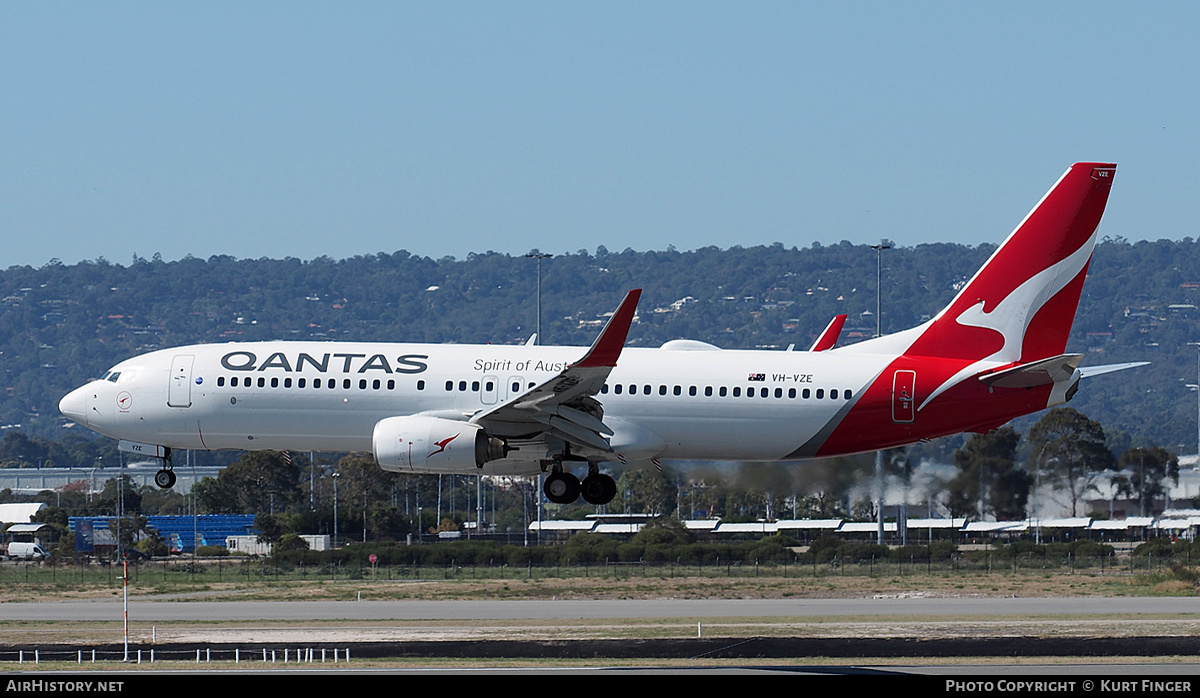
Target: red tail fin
(1019,307)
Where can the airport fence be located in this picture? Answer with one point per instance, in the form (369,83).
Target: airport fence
(265,571)
(199,655)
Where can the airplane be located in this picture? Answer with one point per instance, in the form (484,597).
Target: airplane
(994,353)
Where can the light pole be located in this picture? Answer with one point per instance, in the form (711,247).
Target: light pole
(336,475)
(539,256)
(1197,345)
(883,245)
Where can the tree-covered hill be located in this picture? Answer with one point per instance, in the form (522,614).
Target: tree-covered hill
(63,324)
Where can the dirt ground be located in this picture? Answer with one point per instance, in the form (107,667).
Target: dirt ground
(973,584)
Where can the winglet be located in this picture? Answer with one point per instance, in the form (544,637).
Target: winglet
(829,335)
(607,347)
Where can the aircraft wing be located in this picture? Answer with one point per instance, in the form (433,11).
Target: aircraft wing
(564,406)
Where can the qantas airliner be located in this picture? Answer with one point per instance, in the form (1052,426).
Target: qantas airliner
(995,353)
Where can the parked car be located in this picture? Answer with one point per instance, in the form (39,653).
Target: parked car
(26,551)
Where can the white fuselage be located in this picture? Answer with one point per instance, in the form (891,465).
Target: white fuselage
(679,403)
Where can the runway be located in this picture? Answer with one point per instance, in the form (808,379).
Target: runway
(814,632)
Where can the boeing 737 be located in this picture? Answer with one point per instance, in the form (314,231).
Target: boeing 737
(994,353)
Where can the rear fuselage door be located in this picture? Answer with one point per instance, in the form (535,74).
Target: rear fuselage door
(903,389)
(179,390)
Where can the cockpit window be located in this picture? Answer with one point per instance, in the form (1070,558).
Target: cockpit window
(113,376)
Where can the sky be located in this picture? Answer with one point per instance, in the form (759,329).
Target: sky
(306,129)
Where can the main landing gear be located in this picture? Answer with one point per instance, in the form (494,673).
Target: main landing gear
(562,487)
(165,478)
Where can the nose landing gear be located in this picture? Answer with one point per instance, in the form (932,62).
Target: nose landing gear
(165,478)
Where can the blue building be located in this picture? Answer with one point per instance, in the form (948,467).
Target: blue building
(181,533)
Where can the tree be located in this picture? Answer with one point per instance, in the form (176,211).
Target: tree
(261,482)
(1069,450)
(1144,473)
(366,487)
(645,491)
(988,479)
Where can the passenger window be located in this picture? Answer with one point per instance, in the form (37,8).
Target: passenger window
(662,390)
(420,385)
(462,386)
(617,388)
(723,389)
(275,382)
(679,390)
(791,392)
(221,382)
(708,391)
(806,393)
(750,391)
(846,394)
(300,383)
(287,382)
(262,382)
(474,386)
(820,393)
(833,394)
(646,389)
(737,392)
(779,392)
(346,383)
(375,384)
(449,385)
(604,389)
(692,391)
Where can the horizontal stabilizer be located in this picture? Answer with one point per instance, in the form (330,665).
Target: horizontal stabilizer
(1044,372)
(1088,371)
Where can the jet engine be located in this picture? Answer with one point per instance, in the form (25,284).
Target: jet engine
(418,444)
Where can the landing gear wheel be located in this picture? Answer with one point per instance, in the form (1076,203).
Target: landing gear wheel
(165,479)
(561,488)
(598,489)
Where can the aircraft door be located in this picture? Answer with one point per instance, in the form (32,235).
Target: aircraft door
(903,392)
(513,387)
(179,390)
(489,390)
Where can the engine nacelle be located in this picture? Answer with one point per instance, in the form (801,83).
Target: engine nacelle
(419,444)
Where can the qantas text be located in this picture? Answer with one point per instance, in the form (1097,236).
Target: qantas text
(343,363)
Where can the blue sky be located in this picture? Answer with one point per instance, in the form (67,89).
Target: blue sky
(305,129)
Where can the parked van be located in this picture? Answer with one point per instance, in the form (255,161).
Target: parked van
(26,551)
